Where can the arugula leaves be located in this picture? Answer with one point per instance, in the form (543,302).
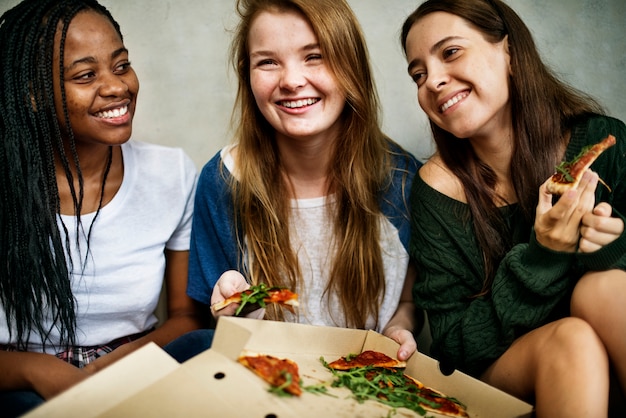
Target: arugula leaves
(388,386)
(254,295)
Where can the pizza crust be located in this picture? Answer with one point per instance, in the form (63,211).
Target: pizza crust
(569,174)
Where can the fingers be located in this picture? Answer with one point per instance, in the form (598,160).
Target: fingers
(558,226)
(576,202)
(545,199)
(407,342)
(229,283)
(599,229)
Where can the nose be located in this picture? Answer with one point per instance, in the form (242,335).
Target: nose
(112,85)
(292,77)
(437,77)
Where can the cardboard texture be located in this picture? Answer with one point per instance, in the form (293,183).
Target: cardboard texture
(110,386)
(214,384)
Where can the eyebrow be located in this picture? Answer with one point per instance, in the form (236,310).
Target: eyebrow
(92,60)
(308,47)
(432,50)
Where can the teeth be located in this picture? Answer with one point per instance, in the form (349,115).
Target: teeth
(293,104)
(453,101)
(115,113)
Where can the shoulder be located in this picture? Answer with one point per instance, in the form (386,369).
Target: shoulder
(145,152)
(592,129)
(403,159)
(438,176)
(159,164)
(215,176)
(220,165)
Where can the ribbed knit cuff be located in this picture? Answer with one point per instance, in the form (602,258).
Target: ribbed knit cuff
(545,260)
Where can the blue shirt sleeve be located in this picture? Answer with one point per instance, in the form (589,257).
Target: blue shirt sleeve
(213,247)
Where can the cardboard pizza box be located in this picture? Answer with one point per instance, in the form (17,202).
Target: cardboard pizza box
(110,386)
(215,384)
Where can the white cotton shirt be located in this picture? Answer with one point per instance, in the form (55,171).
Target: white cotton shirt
(117,286)
(311,237)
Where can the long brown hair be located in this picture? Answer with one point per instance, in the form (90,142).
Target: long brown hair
(543,108)
(358,169)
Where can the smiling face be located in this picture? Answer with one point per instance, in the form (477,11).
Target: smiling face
(462,79)
(100,85)
(292,85)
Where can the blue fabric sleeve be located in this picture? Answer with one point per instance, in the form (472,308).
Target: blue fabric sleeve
(213,248)
(395,198)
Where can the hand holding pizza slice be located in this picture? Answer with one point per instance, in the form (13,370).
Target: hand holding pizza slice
(256,297)
(569,173)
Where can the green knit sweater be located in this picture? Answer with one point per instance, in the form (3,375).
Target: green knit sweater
(532,283)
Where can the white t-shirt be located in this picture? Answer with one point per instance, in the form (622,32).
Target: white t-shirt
(117,286)
(311,236)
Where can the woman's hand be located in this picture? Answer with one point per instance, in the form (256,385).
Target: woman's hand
(405,338)
(558,227)
(599,229)
(229,283)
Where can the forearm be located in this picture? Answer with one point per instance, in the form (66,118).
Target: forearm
(403,319)
(42,373)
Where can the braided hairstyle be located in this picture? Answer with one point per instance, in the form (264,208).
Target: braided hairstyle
(34,275)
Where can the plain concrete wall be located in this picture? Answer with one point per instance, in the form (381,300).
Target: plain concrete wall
(179,49)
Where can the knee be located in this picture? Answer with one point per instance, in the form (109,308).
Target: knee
(573,341)
(596,292)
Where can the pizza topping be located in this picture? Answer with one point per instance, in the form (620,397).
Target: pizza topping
(256,297)
(281,374)
(390,386)
(569,173)
(366,358)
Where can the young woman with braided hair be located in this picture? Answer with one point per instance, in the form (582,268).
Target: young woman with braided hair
(89,226)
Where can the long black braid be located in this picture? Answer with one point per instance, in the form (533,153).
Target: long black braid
(34,272)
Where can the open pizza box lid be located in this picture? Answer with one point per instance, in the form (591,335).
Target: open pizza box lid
(150,383)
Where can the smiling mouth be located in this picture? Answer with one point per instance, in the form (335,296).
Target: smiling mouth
(113,113)
(295,104)
(453,101)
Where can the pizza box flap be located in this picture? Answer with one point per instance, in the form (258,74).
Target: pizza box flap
(110,386)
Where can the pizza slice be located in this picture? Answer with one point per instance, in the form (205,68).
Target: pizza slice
(281,374)
(569,173)
(366,358)
(259,296)
(434,401)
(376,376)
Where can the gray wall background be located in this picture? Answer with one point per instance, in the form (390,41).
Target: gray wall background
(179,49)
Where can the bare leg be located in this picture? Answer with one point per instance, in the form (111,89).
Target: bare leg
(600,299)
(563,364)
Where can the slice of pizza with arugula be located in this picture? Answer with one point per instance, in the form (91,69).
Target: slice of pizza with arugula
(366,358)
(569,173)
(259,296)
(281,373)
(375,376)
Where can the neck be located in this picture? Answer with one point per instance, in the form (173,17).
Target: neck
(496,151)
(306,167)
(101,173)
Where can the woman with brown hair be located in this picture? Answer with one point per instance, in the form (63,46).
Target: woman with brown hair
(522,290)
(311,195)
